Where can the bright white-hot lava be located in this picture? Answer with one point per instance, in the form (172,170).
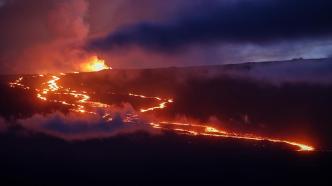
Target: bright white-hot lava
(80,102)
(94,64)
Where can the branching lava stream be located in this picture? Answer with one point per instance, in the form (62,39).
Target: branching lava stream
(79,101)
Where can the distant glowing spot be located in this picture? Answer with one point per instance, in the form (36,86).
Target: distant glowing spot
(94,64)
(211,129)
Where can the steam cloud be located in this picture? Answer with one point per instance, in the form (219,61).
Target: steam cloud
(74,126)
(78,127)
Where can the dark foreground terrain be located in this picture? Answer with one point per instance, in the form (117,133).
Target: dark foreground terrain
(141,159)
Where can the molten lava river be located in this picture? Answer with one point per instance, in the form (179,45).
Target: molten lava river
(80,102)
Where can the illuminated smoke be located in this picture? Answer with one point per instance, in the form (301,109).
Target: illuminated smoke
(58,28)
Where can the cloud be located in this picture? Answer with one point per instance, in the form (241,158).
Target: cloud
(45,36)
(76,127)
(245,21)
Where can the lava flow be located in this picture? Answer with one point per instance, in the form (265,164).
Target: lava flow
(205,130)
(80,101)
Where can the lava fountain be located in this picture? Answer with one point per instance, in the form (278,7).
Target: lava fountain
(94,64)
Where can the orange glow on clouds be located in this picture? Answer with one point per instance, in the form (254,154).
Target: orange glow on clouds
(94,64)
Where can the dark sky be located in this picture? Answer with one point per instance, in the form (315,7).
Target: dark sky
(55,35)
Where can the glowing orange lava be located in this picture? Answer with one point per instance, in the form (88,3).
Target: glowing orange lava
(161,105)
(17,83)
(206,130)
(94,64)
(80,102)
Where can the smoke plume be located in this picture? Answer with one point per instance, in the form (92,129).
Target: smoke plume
(47,34)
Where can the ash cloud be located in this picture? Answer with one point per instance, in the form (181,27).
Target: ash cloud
(246,21)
